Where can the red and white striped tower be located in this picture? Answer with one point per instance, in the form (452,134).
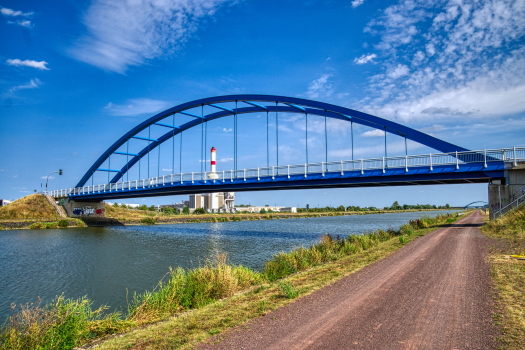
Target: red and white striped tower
(213,174)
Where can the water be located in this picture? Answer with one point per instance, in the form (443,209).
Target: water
(102,263)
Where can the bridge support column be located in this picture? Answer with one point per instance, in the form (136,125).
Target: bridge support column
(504,191)
(83,209)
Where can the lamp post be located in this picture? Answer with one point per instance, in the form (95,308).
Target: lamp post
(59,173)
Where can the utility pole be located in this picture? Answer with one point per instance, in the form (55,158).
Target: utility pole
(59,173)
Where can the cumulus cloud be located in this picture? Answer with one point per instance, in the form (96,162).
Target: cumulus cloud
(121,34)
(320,87)
(398,71)
(356,3)
(365,58)
(28,63)
(138,106)
(33,84)
(227,129)
(373,133)
(12,13)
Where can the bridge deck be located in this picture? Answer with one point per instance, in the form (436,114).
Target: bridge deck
(476,172)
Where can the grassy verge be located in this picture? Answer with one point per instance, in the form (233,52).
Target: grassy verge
(509,276)
(34,206)
(209,300)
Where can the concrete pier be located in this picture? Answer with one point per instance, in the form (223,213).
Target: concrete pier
(505,190)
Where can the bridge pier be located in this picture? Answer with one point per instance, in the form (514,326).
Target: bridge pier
(503,191)
(83,209)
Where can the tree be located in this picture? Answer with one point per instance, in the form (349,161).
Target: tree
(447,206)
(262,211)
(123,205)
(185,210)
(152,208)
(341,208)
(115,205)
(199,211)
(396,204)
(143,207)
(168,210)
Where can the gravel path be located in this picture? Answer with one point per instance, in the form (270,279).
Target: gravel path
(432,294)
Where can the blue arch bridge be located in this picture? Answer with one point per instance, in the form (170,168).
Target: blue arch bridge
(450,164)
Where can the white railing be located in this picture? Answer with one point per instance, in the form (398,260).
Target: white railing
(425,160)
(512,205)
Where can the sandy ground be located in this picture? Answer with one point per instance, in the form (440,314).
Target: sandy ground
(432,294)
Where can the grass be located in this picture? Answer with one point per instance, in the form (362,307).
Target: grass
(508,276)
(34,206)
(207,300)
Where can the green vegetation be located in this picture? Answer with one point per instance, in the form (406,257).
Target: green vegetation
(288,289)
(34,206)
(199,211)
(68,323)
(509,276)
(147,221)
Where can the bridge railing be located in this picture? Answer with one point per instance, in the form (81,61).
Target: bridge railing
(424,160)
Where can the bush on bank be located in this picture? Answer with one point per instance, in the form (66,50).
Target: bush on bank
(66,323)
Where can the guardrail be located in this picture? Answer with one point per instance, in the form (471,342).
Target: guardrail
(425,160)
(512,205)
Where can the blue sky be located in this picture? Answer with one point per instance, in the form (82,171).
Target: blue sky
(77,75)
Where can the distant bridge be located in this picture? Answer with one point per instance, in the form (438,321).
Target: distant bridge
(451,164)
(478,204)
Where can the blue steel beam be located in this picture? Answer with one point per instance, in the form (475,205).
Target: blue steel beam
(126,154)
(221,107)
(142,138)
(109,170)
(311,107)
(256,105)
(166,125)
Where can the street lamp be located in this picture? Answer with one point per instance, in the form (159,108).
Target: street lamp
(59,173)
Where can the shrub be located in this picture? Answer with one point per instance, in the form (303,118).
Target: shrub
(51,225)
(63,223)
(262,211)
(199,211)
(403,240)
(185,210)
(288,290)
(147,221)
(36,226)
(80,223)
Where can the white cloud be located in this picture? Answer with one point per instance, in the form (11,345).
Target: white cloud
(227,129)
(397,72)
(225,160)
(28,63)
(25,23)
(459,59)
(137,106)
(320,87)
(33,84)
(356,3)
(167,169)
(373,133)
(12,13)
(121,34)
(365,58)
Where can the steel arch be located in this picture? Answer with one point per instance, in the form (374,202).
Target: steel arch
(292,103)
(484,204)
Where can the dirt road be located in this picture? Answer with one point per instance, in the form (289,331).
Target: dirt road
(432,294)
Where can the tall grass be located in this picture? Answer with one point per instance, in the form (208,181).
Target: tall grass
(60,325)
(67,323)
(34,206)
(195,288)
(330,248)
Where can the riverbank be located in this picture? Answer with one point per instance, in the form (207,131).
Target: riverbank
(348,256)
(508,275)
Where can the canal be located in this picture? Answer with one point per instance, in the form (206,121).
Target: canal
(106,264)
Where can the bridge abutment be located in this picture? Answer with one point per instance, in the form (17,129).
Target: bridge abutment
(83,209)
(503,191)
